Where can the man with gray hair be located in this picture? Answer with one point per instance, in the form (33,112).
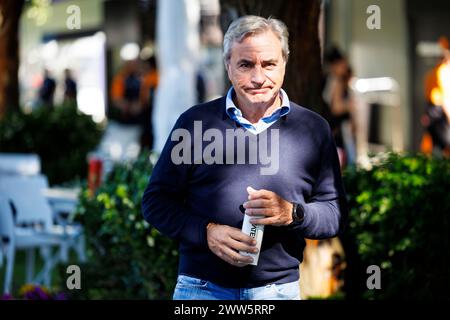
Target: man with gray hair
(202,205)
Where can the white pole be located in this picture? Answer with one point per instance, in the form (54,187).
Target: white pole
(178,50)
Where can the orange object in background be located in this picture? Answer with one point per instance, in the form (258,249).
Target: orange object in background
(426,146)
(320,271)
(94,174)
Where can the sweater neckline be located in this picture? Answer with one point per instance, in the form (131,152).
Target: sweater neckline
(235,125)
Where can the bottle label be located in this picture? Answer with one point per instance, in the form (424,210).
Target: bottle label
(256,232)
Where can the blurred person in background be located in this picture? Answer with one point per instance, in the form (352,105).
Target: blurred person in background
(340,105)
(70,87)
(148,88)
(436,118)
(126,93)
(200,86)
(47,90)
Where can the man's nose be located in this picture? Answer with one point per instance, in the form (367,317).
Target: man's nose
(258,76)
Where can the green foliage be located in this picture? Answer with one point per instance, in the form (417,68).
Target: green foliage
(127,258)
(61,136)
(400,221)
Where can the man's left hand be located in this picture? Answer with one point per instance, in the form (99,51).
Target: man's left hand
(275,210)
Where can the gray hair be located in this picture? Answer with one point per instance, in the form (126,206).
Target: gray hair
(252,25)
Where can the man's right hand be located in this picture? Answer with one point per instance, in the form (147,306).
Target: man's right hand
(225,242)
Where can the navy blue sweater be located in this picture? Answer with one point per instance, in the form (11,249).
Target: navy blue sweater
(181,199)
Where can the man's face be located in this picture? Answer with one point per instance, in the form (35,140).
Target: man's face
(256,69)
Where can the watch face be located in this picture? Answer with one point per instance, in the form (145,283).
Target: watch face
(299,212)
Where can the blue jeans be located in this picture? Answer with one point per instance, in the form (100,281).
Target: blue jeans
(189,288)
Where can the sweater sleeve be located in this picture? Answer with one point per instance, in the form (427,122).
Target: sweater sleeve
(326,211)
(162,202)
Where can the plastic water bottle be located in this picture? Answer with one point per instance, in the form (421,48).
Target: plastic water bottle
(256,232)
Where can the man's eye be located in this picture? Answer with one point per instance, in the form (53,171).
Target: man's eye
(244,65)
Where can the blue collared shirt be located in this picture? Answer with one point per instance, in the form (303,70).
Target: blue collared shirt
(236,114)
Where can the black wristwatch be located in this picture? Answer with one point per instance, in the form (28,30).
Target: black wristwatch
(298,213)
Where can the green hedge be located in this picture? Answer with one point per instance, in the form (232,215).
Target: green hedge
(128,259)
(400,221)
(61,136)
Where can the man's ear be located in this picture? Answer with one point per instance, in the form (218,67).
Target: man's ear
(227,68)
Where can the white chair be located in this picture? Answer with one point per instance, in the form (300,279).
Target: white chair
(20,163)
(5,220)
(63,203)
(15,238)
(32,227)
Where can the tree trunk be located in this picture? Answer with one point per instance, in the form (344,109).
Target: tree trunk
(303,81)
(10,11)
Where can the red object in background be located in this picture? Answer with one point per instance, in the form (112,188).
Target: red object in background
(95,174)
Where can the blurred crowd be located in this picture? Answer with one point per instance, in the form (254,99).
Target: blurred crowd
(48,87)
